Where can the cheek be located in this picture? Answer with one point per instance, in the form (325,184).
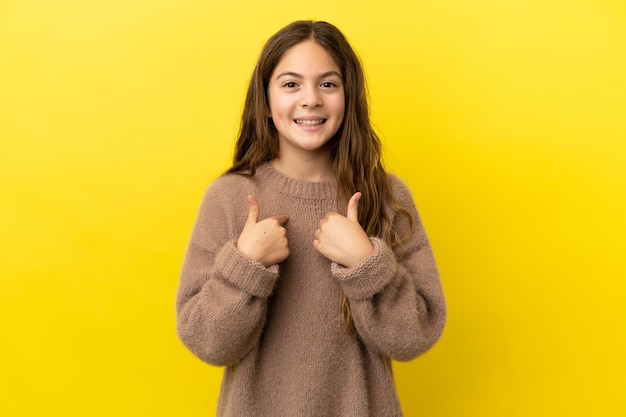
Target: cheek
(341,107)
(341,114)
(278,108)
(272,102)
(280,115)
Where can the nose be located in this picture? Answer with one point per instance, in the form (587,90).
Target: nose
(311,97)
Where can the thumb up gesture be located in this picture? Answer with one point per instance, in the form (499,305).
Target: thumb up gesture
(342,239)
(263,241)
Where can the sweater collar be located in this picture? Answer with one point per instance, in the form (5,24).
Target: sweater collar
(296,188)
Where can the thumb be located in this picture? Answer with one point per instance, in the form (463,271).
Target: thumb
(281,219)
(253,210)
(353,207)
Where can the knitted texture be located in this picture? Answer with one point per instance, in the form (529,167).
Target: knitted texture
(277,330)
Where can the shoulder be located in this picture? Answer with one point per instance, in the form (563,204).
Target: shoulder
(404,198)
(400,190)
(228,193)
(232,186)
(224,206)
(225,195)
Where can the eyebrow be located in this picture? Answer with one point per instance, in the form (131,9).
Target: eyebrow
(296,75)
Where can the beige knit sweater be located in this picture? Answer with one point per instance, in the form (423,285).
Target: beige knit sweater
(278,331)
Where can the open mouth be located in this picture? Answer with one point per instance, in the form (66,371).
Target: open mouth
(310,122)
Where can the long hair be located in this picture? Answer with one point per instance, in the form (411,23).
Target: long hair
(355,148)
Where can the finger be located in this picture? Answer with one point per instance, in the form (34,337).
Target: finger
(353,207)
(253,210)
(281,219)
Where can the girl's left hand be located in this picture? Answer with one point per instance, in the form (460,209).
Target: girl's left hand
(342,239)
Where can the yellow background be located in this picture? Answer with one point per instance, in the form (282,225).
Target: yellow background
(506,118)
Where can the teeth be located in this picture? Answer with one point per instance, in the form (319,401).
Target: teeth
(310,122)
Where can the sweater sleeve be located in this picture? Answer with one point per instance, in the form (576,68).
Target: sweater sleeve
(222,296)
(398,306)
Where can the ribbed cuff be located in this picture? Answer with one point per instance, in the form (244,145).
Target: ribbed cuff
(370,276)
(251,276)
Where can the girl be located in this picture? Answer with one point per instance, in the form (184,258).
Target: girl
(307,292)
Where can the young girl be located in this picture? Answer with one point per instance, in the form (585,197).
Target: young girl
(308,270)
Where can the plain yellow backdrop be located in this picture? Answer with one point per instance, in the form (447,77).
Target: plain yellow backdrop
(506,118)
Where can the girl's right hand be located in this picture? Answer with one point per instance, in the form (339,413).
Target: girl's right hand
(263,241)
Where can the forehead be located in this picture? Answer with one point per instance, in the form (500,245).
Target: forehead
(306,58)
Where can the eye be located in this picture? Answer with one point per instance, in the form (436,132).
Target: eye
(290,84)
(329,84)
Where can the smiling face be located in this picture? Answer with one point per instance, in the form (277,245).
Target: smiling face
(306,100)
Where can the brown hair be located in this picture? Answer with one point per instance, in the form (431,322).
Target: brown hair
(356,149)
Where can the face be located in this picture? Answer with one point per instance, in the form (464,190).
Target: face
(306,99)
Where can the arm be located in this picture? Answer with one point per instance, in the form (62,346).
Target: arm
(222,296)
(398,307)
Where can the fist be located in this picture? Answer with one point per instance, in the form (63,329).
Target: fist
(263,241)
(342,239)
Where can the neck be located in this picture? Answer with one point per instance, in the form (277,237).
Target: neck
(310,168)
